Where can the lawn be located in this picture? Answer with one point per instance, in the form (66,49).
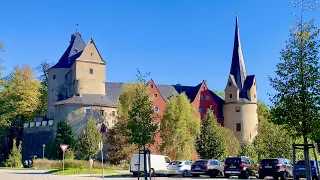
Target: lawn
(72,171)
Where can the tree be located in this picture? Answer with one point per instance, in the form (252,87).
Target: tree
(43,78)
(88,142)
(297,81)
(141,126)
(118,146)
(220,94)
(179,128)
(65,135)
(232,143)
(210,142)
(15,157)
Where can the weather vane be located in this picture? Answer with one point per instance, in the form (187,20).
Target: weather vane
(77,27)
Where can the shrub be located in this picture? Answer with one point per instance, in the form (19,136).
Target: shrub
(69,154)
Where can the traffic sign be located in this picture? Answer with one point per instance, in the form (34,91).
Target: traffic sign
(64,147)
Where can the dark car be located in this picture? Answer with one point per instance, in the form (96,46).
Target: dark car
(211,167)
(243,167)
(300,169)
(275,167)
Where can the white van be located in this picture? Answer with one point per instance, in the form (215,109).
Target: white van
(159,164)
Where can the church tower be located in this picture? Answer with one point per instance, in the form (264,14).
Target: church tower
(240,109)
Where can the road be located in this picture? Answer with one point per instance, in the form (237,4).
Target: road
(10,174)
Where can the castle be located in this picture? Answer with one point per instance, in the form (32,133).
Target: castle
(78,90)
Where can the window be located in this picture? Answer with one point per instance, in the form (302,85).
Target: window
(101,112)
(156,109)
(254,96)
(212,163)
(91,71)
(229,83)
(238,126)
(91,54)
(207,97)
(204,88)
(230,95)
(200,110)
(87,112)
(237,109)
(167,160)
(54,77)
(201,97)
(151,85)
(113,113)
(155,95)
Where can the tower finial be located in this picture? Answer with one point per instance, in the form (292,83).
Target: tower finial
(77,27)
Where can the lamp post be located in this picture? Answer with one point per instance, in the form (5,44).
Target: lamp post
(103,128)
(43,147)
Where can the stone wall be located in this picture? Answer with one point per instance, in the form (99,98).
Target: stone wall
(36,134)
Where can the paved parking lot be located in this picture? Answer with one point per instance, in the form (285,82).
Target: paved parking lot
(9,174)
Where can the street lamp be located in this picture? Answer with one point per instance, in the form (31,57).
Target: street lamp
(43,147)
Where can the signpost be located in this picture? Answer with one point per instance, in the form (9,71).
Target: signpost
(63,148)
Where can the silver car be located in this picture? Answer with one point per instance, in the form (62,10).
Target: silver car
(179,168)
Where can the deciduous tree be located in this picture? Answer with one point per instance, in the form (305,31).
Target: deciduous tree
(179,128)
(88,142)
(297,81)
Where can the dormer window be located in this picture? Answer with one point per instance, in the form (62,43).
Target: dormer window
(151,85)
(237,109)
(229,83)
(54,77)
(75,50)
(155,95)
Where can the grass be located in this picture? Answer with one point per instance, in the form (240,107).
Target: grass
(73,171)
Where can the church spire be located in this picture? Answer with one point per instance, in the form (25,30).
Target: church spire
(238,68)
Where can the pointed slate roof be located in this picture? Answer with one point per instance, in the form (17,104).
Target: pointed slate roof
(238,68)
(74,50)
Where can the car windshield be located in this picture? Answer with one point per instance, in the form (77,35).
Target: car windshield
(201,163)
(270,161)
(302,164)
(175,163)
(233,160)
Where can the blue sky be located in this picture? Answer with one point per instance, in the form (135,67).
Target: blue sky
(178,41)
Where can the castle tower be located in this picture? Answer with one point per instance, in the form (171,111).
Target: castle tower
(89,71)
(59,83)
(240,109)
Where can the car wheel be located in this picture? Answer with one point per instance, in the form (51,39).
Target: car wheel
(195,175)
(245,175)
(261,177)
(283,176)
(151,172)
(185,173)
(275,178)
(227,176)
(135,174)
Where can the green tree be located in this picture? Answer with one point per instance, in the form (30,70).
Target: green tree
(233,145)
(65,135)
(141,126)
(296,82)
(69,154)
(179,128)
(43,78)
(15,157)
(88,142)
(118,146)
(210,142)
(220,94)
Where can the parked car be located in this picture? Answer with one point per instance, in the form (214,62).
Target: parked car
(179,168)
(300,169)
(211,167)
(242,167)
(275,167)
(159,164)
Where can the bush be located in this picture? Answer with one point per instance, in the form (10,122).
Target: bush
(57,164)
(69,154)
